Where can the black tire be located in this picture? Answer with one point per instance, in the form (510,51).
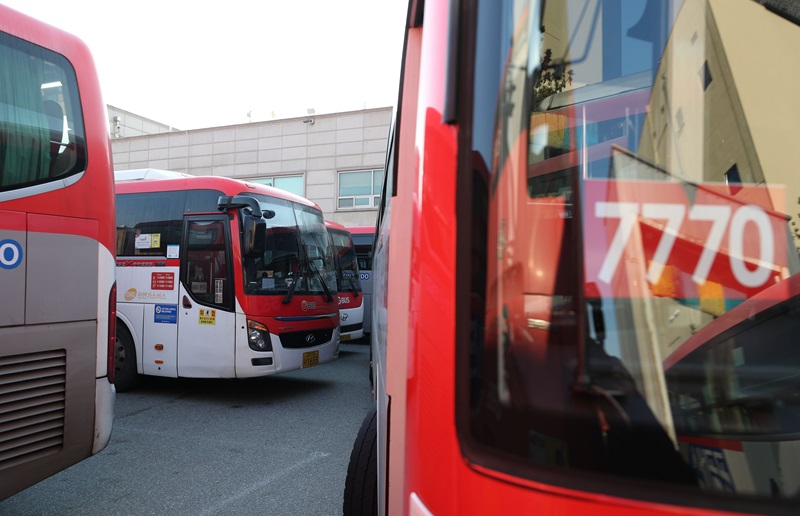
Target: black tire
(361,484)
(125,374)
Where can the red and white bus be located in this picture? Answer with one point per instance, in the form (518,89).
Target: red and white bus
(351,297)
(220,278)
(56,254)
(362,239)
(586,263)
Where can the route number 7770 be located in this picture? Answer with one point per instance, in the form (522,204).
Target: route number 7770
(723,218)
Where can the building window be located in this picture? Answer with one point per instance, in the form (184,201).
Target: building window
(706,76)
(293,184)
(360,190)
(733,179)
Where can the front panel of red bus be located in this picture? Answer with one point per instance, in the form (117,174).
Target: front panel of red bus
(626,252)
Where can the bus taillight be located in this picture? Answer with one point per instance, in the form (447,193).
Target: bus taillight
(112,331)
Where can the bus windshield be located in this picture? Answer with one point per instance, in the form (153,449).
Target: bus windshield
(348,262)
(298,256)
(639,237)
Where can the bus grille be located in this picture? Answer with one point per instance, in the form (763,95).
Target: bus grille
(32,393)
(306,339)
(351,327)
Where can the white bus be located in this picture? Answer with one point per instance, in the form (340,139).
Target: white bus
(220,278)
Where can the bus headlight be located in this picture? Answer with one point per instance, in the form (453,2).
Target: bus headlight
(258,336)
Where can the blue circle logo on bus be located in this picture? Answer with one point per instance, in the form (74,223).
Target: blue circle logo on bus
(10,254)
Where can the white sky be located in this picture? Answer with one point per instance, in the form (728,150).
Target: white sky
(193,64)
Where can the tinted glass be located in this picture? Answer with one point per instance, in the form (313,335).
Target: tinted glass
(41,126)
(149,222)
(348,262)
(298,252)
(633,253)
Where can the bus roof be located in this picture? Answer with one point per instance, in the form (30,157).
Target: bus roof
(154,180)
(147,174)
(329,224)
(36,31)
(361,230)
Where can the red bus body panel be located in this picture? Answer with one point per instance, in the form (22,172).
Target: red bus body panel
(422,467)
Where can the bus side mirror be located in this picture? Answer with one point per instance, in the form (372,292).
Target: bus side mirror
(254,237)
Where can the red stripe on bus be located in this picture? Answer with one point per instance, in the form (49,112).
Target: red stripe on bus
(60,225)
(711,442)
(149,262)
(12,221)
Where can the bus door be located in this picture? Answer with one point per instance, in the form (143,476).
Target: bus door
(206,315)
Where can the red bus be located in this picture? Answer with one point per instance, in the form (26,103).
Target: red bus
(362,239)
(56,254)
(585,264)
(220,278)
(351,297)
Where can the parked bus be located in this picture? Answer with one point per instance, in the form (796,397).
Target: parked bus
(734,396)
(220,278)
(56,254)
(362,239)
(587,248)
(351,297)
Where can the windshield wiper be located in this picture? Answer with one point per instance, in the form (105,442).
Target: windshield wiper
(295,280)
(353,288)
(306,265)
(314,269)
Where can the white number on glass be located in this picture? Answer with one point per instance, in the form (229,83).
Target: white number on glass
(674,214)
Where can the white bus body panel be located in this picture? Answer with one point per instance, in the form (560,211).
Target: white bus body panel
(349,316)
(206,340)
(157,362)
(291,359)
(196,341)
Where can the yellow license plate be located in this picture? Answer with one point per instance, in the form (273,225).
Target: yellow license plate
(310,358)
(343,338)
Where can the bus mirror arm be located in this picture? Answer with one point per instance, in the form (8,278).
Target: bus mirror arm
(227,203)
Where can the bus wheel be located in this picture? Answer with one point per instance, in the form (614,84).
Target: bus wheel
(125,375)
(361,484)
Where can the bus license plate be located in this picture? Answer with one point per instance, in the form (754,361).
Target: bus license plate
(310,358)
(344,337)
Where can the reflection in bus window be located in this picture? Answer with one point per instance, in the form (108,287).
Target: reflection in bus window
(633,286)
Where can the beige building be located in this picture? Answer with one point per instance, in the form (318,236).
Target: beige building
(124,124)
(335,160)
(712,120)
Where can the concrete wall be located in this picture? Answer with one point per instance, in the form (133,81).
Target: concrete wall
(124,124)
(333,143)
